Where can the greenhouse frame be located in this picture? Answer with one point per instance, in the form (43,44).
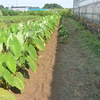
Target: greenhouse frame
(87,9)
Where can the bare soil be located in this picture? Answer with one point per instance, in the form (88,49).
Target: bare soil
(60,71)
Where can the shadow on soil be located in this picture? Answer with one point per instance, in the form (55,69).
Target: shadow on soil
(57,82)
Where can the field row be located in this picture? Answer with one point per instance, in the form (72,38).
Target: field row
(19,48)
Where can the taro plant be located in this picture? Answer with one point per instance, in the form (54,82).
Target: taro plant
(19,46)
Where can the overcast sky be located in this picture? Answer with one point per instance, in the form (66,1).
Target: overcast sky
(36,3)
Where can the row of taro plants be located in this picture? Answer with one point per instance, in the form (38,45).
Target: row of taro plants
(19,46)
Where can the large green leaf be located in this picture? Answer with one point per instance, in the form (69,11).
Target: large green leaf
(5,37)
(5,95)
(9,40)
(18,83)
(14,29)
(23,47)
(20,76)
(11,63)
(3,58)
(32,52)
(39,44)
(20,37)
(8,77)
(22,60)
(15,47)
(31,63)
(5,73)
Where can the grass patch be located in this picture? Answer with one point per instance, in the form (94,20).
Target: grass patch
(90,45)
(90,42)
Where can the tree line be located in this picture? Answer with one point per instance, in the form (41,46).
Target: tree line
(52,6)
(46,6)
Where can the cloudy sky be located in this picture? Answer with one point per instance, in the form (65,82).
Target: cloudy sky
(36,3)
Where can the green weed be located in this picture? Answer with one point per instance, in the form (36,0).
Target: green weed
(63,31)
(90,43)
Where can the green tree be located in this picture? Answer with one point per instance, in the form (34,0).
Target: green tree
(1,7)
(52,6)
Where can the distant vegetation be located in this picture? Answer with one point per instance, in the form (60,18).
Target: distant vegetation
(6,12)
(1,7)
(52,6)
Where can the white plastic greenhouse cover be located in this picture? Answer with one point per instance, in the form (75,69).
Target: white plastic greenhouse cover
(88,9)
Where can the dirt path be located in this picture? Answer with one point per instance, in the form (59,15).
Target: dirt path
(67,77)
(60,71)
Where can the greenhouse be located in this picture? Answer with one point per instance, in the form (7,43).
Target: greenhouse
(87,9)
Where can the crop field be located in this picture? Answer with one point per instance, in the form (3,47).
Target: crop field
(51,57)
(7,18)
(7,21)
(19,48)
